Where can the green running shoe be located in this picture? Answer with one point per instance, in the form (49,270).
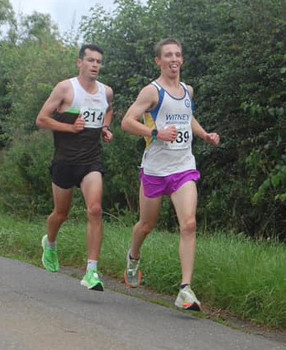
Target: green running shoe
(50,256)
(132,274)
(91,281)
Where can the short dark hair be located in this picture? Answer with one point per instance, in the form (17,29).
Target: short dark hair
(91,47)
(163,42)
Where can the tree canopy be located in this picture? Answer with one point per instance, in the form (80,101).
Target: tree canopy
(234,54)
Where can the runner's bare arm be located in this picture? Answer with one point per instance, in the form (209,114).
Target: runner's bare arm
(109,114)
(107,134)
(58,98)
(199,131)
(146,101)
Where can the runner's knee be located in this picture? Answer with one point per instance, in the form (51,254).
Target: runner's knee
(61,216)
(146,228)
(94,211)
(189,227)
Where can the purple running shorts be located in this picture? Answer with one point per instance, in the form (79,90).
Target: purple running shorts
(157,186)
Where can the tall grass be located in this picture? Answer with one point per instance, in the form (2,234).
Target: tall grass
(232,272)
(243,276)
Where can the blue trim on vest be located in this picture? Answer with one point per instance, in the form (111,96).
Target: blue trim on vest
(155,111)
(193,105)
(191,98)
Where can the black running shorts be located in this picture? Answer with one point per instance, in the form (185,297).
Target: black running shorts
(69,176)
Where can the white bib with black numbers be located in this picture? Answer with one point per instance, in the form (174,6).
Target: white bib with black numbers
(93,117)
(182,140)
(92,107)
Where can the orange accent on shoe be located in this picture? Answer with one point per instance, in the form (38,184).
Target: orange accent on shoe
(125,279)
(140,277)
(192,306)
(187,305)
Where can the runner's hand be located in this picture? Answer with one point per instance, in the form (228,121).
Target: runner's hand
(168,134)
(213,138)
(107,135)
(78,125)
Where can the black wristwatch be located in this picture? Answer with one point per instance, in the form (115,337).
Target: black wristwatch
(154,134)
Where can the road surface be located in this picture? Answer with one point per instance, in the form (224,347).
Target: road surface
(44,311)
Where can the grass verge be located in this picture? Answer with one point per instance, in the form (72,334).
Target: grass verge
(232,272)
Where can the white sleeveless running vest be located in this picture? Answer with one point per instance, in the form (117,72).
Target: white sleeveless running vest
(91,106)
(83,148)
(166,158)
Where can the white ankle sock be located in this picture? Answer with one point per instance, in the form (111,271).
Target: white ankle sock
(91,265)
(52,245)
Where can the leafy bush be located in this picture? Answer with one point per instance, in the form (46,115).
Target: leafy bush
(24,176)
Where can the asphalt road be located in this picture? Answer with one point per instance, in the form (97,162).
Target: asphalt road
(44,311)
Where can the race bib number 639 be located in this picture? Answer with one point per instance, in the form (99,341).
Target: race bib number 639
(182,141)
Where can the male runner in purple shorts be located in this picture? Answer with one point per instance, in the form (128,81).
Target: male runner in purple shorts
(168,164)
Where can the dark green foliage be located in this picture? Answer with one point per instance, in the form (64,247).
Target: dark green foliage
(122,159)
(234,54)
(26,89)
(241,96)
(25,181)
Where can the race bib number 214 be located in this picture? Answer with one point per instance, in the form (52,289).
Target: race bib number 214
(93,117)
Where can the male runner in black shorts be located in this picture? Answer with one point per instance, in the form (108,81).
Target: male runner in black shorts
(78,111)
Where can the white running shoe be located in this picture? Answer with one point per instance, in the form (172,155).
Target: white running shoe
(187,300)
(132,274)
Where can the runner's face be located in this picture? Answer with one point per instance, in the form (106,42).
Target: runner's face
(171,59)
(90,65)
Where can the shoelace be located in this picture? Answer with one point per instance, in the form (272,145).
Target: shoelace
(133,264)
